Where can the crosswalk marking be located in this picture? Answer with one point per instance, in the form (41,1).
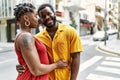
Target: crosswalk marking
(100,77)
(108,69)
(110,63)
(112,58)
(90,62)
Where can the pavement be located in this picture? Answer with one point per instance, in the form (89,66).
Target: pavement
(6,47)
(112,46)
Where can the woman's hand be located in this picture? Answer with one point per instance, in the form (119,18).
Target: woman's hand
(61,64)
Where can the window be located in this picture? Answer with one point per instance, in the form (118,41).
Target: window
(6,8)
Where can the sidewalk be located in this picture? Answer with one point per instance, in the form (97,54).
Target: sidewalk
(6,47)
(112,46)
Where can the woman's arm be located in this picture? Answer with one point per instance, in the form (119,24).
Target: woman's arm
(30,55)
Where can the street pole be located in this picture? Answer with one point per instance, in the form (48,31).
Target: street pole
(105,22)
(118,33)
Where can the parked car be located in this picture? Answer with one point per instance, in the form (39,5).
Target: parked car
(112,31)
(100,36)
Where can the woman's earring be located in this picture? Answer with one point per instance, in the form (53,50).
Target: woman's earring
(27,23)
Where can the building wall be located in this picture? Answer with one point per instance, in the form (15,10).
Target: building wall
(74,7)
(6,12)
(6,8)
(3,33)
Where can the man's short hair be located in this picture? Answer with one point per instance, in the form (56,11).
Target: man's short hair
(44,6)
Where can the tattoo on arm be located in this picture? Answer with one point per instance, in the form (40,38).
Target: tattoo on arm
(26,41)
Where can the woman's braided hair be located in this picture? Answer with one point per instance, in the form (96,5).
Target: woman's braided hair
(21,9)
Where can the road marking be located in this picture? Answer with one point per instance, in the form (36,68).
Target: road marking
(9,60)
(110,63)
(100,77)
(105,52)
(112,58)
(89,62)
(108,70)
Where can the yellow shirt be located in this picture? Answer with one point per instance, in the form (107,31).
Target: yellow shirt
(65,42)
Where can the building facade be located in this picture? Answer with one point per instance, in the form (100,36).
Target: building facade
(99,11)
(6,14)
(71,10)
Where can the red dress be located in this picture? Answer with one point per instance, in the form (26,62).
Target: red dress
(41,49)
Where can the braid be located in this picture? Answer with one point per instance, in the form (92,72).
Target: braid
(21,9)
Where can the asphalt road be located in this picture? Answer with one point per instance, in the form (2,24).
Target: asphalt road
(8,62)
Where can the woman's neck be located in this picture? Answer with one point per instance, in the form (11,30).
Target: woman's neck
(27,29)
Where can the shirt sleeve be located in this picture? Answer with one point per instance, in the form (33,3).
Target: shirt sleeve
(75,42)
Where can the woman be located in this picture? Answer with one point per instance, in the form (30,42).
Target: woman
(31,52)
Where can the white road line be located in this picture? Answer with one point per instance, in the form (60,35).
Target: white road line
(108,70)
(9,60)
(110,63)
(112,58)
(90,62)
(101,77)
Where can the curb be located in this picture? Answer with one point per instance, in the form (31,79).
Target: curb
(105,49)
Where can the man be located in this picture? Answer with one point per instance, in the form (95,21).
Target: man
(61,41)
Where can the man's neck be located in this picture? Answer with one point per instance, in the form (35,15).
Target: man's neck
(52,29)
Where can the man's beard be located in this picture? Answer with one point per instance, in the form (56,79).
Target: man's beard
(50,26)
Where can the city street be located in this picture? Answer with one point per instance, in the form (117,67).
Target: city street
(95,65)
(8,61)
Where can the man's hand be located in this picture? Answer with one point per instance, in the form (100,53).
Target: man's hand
(20,68)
